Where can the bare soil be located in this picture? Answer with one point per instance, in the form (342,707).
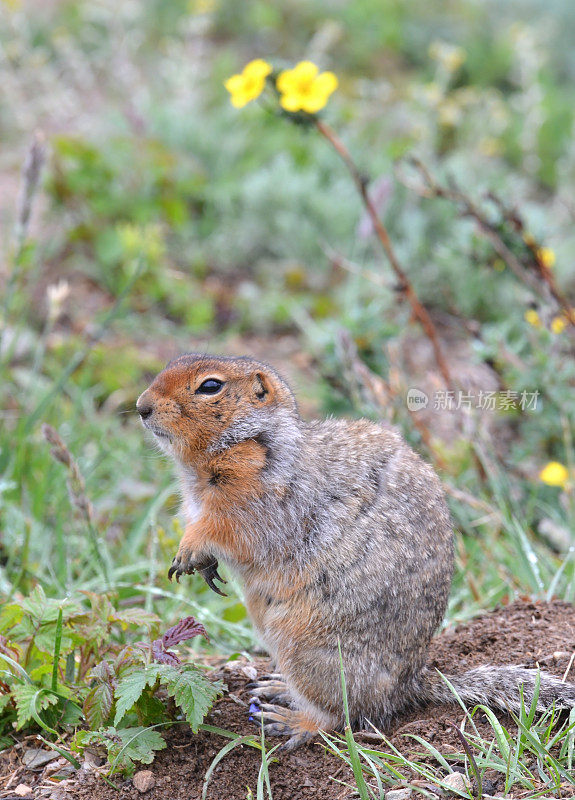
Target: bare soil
(524,632)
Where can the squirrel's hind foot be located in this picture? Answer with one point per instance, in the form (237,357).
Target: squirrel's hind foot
(300,726)
(270,687)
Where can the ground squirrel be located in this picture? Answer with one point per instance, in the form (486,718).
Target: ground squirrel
(340,535)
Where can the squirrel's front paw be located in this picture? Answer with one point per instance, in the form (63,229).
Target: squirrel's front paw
(186,563)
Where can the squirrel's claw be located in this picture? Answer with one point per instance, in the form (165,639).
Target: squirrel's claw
(279,721)
(177,570)
(209,574)
(268,688)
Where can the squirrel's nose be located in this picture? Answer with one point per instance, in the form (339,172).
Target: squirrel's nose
(145,411)
(144,407)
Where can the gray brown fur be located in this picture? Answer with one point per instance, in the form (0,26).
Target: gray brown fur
(349,541)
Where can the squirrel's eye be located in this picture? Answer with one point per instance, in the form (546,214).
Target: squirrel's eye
(211,386)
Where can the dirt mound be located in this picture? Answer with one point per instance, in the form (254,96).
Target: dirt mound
(524,633)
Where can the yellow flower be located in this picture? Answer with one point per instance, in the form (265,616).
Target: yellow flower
(532,317)
(547,257)
(554,474)
(303,89)
(558,324)
(249,84)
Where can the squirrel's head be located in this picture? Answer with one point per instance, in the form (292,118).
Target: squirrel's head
(202,403)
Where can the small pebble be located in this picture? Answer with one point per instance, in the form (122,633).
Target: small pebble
(398,794)
(456,781)
(22,790)
(233,666)
(250,672)
(36,757)
(144,780)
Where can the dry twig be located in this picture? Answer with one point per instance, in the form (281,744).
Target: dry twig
(405,286)
(541,281)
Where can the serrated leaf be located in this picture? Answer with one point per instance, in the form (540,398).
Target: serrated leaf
(35,604)
(151,709)
(98,704)
(101,605)
(127,656)
(44,640)
(102,672)
(130,687)
(124,746)
(38,672)
(83,738)
(186,629)
(46,609)
(191,690)
(137,744)
(134,616)
(30,701)
(164,656)
(11,614)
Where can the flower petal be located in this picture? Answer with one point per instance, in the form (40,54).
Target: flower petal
(314,102)
(285,81)
(234,83)
(326,82)
(258,68)
(554,474)
(290,102)
(305,71)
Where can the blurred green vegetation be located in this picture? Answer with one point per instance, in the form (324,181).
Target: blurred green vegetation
(180,223)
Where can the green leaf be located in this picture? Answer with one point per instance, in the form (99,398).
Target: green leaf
(124,746)
(11,614)
(44,609)
(38,672)
(57,647)
(45,639)
(137,744)
(30,701)
(151,710)
(191,690)
(134,616)
(98,704)
(130,687)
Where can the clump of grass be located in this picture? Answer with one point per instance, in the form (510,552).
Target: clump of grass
(535,759)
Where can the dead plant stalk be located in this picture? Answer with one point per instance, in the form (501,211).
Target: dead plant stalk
(405,285)
(542,282)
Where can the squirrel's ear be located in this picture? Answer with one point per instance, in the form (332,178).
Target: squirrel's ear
(263,388)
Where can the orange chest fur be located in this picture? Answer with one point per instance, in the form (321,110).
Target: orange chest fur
(226,483)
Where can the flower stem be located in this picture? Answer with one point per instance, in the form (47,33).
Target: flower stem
(405,285)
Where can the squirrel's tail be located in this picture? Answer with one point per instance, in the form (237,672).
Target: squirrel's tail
(499,687)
